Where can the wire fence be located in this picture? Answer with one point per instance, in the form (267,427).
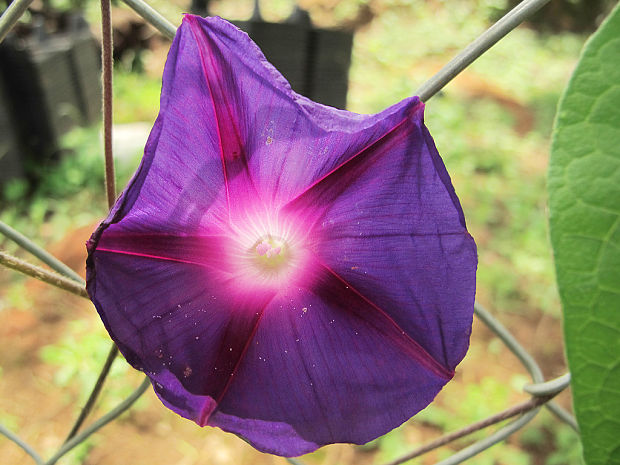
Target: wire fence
(541,392)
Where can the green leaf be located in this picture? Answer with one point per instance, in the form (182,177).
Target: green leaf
(584,204)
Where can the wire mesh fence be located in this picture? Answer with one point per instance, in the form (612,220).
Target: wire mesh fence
(541,391)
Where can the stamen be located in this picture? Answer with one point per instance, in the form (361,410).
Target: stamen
(271,254)
(263,248)
(273,251)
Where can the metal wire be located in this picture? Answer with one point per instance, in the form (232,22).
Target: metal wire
(474,50)
(152,16)
(294,461)
(21,443)
(39,252)
(548,387)
(509,340)
(101,422)
(491,440)
(506,414)
(11,15)
(524,357)
(562,415)
(41,274)
(554,385)
(530,364)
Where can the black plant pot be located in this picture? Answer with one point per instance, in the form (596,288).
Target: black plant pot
(52,84)
(315,61)
(329,70)
(285,46)
(11,165)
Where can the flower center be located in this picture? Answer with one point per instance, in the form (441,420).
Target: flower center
(270,253)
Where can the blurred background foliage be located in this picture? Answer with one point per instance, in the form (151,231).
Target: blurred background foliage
(492,126)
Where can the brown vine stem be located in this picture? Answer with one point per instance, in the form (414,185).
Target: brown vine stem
(41,274)
(92,398)
(106,62)
(106,77)
(513,411)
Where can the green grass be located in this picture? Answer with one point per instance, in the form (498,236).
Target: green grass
(136,97)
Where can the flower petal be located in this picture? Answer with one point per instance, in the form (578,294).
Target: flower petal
(295,274)
(176,322)
(197,250)
(290,141)
(425,283)
(332,367)
(284,362)
(389,215)
(395,185)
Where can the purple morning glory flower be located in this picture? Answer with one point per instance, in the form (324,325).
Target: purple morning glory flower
(289,272)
